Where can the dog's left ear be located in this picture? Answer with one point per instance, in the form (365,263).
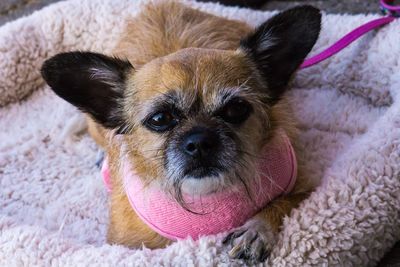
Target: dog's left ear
(280,45)
(92,82)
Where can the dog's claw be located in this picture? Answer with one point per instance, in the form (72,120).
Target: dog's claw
(231,236)
(264,255)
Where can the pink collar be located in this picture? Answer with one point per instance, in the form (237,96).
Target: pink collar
(218,212)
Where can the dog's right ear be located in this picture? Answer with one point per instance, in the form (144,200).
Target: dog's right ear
(280,45)
(93,82)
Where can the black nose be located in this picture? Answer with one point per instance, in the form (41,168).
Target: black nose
(200,142)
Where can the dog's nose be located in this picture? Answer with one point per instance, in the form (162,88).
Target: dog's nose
(200,142)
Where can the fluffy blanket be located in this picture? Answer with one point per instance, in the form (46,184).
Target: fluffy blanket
(53,205)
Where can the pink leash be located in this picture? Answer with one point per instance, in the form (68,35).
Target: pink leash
(387,8)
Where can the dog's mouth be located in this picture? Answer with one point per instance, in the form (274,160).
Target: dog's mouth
(203,180)
(198,171)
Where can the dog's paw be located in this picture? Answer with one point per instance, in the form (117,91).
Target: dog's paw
(252,242)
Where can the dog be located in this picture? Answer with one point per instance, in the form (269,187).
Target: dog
(194,98)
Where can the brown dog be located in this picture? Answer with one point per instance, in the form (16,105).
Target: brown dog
(177,69)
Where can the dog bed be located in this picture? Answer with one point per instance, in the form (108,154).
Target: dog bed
(53,204)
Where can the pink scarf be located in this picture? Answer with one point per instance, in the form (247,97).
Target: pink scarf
(215,213)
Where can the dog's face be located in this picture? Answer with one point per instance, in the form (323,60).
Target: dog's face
(197,116)
(196,120)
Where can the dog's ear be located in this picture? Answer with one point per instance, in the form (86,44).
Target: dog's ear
(279,45)
(92,82)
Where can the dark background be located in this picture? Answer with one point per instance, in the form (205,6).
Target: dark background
(13,9)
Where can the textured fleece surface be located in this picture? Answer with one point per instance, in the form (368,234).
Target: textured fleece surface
(53,205)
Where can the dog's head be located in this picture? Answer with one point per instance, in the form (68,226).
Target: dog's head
(195,120)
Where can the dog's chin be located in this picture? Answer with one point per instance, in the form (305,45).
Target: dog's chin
(195,186)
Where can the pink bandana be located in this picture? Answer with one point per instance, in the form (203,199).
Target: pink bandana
(214,213)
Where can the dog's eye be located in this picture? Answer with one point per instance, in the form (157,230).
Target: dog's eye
(161,121)
(236,111)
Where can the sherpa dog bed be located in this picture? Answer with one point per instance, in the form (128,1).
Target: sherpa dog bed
(53,205)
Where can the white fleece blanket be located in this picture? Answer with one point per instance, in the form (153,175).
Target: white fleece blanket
(53,205)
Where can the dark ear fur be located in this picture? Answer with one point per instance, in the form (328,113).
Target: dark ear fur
(279,45)
(92,82)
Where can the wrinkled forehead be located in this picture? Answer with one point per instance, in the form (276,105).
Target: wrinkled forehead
(196,80)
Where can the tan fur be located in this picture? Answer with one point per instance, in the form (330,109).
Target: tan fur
(163,28)
(97,132)
(125,227)
(162,45)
